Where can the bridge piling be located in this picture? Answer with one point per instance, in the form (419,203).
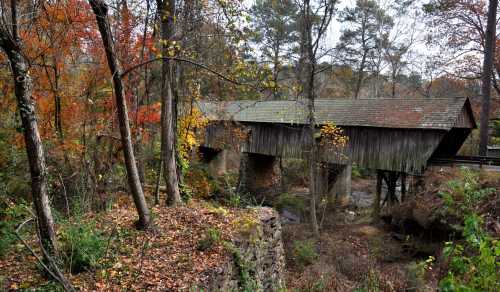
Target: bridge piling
(258,174)
(216,159)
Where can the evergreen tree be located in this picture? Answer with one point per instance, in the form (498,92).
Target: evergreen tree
(276,35)
(367,28)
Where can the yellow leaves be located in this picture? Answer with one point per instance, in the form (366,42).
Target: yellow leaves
(171,52)
(172,47)
(188,125)
(247,225)
(332,136)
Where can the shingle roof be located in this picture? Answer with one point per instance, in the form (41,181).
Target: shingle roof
(436,113)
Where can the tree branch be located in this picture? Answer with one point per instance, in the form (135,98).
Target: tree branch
(129,70)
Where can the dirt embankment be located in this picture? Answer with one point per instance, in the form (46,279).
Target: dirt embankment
(427,213)
(355,255)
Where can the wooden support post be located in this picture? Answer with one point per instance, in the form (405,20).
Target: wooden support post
(376,202)
(390,178)
(403,187)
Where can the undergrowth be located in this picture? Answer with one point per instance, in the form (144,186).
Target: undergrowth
(212,237)
(82,245)
(11,216)
(304,252)
(246,270)
(473,263)
(289,201)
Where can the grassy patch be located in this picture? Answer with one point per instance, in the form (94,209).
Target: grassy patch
(304,252)
(212,237)
(83,246)
(10,217)
(290,202)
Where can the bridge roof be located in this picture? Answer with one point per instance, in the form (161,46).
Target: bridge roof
(420,113)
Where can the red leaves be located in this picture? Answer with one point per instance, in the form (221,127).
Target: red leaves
(149,113)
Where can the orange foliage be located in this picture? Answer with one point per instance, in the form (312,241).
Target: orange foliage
(69,69)
(149,113)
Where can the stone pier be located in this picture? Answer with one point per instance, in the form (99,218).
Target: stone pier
(334,181)
(216,159)
(259,173)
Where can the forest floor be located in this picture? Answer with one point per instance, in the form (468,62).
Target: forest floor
(355,254)
(166,258)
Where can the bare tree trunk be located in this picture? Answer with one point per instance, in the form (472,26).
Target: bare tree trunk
(276,64)
(11,44)
(158,182)
(167,13)
(313,151)
(378,194)
(307,80)
(359,80)
(393,83)
(489,52)
(101,11)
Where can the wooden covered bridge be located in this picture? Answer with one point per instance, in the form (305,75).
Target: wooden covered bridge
(393,136)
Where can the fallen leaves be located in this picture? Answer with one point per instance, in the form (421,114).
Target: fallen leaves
(165,258)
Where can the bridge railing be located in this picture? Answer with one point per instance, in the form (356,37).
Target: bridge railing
(476,160)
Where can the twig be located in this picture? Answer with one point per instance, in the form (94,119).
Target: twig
(158,181)
(60,277)
(113,231)
(322,216)
(141,260)
(65,194)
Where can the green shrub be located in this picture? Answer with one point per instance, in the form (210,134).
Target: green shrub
(233,200)
(10,217)
(50,286)
(304,252)
(212,237)
(464,195)
(417,272)
(495,138)
(319,285)
(245,267)
(473,264)
(357,172)
(83,247)
(291,202)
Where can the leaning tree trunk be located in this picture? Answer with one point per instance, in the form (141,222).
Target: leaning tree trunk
(34,146)
(101,11)
(489,52)
(167,13)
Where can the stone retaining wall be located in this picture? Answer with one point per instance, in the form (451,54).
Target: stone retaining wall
(258,260)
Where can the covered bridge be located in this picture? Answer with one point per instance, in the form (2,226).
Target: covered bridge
(392,135)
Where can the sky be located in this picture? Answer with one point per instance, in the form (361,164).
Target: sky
(335,27)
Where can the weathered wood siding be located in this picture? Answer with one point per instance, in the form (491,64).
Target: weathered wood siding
(224,135)
(465,119)
(405,150)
